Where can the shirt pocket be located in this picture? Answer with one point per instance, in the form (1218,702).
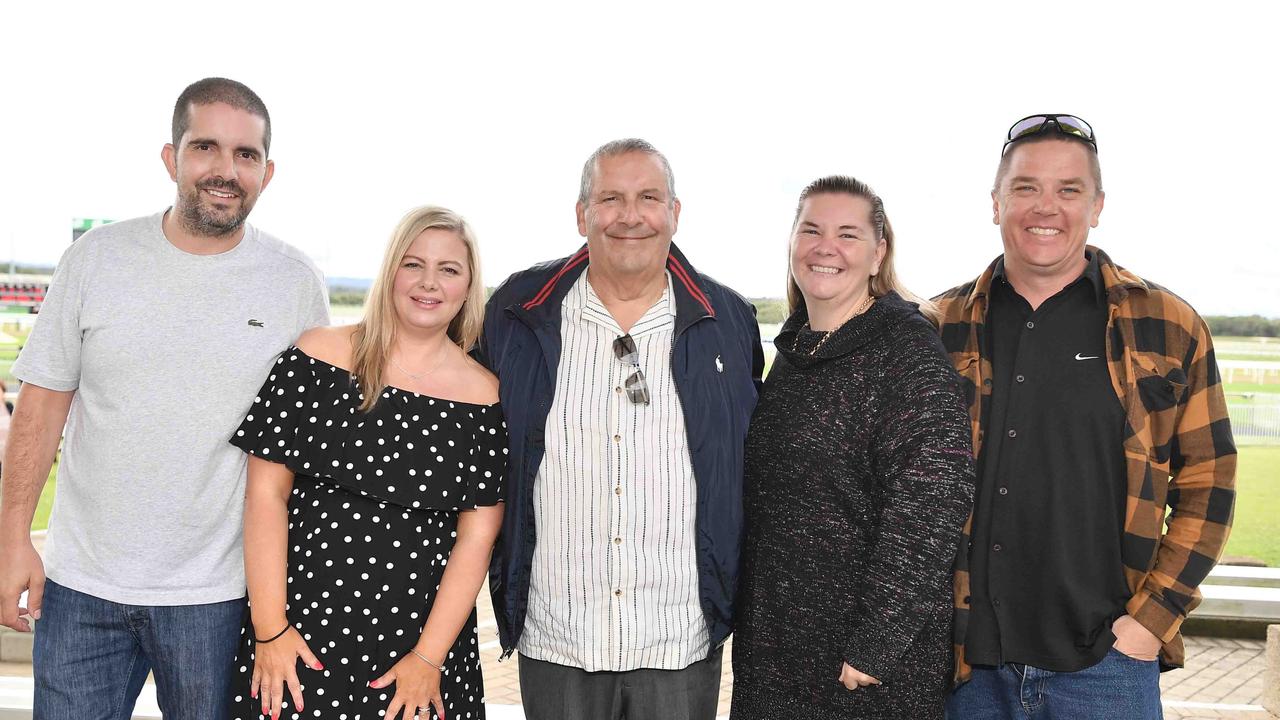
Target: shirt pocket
(1161,390)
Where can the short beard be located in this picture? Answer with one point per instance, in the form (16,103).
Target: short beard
(199,222)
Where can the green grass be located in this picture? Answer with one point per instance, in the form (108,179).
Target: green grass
(1255,532)
(1258,388)
(41,519)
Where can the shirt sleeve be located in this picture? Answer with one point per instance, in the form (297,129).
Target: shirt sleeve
(490,458)
(50,358)
(316,313)
(269,429)
(1201,488)
(925,459)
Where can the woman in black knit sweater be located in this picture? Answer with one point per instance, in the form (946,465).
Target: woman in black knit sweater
(859,476)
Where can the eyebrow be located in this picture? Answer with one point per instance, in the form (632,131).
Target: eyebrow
(1029,179)
(411,256)
(812,224)
(211,141)
(644,191)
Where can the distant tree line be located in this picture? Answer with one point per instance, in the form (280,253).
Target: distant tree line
(344,295)
(1246,325)
(773,311)
(770,311)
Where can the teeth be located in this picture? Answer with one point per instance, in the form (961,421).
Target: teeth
(823,269)
(219,193)
(1043,231)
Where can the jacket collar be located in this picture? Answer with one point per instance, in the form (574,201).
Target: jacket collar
(692,303)
(1116,281)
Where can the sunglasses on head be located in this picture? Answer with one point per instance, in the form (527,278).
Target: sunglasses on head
(637,389)
(1041,124)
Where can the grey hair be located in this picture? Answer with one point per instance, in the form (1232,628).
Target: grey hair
(622,147)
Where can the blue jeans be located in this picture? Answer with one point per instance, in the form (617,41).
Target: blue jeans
(92,656)
(1118,688)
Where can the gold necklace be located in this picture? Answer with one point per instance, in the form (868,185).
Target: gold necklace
(857,311)
(424,373)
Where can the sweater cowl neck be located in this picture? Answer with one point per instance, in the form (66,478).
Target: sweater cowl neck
(796,339)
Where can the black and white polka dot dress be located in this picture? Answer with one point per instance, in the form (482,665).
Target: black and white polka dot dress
(372,520)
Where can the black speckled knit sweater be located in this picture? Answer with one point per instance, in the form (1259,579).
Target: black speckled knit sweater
(859,476)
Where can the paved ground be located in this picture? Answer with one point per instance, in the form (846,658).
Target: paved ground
(1222,678)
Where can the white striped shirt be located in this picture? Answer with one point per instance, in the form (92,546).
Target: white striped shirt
(614,584)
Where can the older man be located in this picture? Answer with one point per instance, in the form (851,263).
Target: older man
(628,380)
(1097,411)
(153,338)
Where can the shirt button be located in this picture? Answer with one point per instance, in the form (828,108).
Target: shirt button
(1012,434)
(617,593)
(618,389)
(1004,491)
(617,438)
(995,602)
(1030,325)
(1021,378)
(617,541)
(997,547)
(617,491)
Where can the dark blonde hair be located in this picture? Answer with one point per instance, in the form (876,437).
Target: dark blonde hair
(886,278)
(376,331)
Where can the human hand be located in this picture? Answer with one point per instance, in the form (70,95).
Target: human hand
(20,569)
(275,667)
(853,679)
(417,686)
(1135,640)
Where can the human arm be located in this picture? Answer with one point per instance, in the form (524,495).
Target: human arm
(34,433)
(266,530)
(418,682)
(921,455)
(1185,414)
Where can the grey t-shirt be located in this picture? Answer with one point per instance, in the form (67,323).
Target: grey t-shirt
(165,351)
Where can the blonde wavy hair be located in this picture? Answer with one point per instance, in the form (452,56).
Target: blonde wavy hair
(376,331)
(884,280)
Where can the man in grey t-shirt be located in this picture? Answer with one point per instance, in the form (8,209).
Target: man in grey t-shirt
(153,337)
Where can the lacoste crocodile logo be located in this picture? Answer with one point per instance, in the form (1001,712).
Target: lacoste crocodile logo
(255,323)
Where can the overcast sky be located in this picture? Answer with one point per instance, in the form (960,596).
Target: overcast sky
(490,109)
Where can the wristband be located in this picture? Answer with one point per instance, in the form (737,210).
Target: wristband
(273,637)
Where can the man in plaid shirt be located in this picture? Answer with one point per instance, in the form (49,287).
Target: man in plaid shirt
(1106,467)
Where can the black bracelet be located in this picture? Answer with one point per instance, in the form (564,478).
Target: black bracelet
(273,637)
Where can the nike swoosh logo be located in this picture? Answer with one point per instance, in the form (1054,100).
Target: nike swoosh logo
(1086,357)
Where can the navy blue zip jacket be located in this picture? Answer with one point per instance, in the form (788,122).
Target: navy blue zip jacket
(716,363)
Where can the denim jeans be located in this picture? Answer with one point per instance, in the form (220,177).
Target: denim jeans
(92,656)
(1118,688)
(558,692)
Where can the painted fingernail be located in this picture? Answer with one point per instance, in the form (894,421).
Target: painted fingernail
(319,666)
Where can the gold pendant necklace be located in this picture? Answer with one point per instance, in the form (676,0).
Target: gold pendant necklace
(857,311)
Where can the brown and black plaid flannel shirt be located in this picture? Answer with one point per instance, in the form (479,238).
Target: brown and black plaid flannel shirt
(1179,455)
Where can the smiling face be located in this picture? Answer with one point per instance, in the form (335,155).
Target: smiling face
(432,281)
(220,166)
(834,252)
(1046,203)
(630,216)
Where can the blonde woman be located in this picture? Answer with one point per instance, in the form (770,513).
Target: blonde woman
(377,453)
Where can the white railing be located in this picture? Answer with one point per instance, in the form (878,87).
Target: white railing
(1255,424)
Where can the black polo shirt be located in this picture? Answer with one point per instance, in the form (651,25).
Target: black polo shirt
(1046,576)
